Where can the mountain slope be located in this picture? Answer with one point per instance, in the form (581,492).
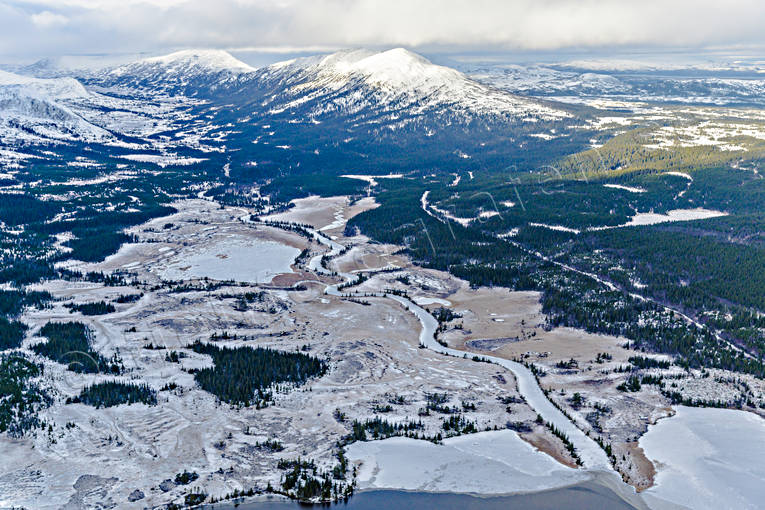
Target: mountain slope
(33,109)
(397,80)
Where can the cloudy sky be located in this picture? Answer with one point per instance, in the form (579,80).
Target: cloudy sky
(34,28)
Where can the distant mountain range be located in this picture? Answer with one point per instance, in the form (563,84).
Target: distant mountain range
(351,108)
(347,82)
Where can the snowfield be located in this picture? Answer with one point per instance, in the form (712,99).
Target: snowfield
(708,458)
(495,462)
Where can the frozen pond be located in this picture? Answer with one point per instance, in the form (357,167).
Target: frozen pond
(674,215)
(708,458)
(496,462)
(245,260)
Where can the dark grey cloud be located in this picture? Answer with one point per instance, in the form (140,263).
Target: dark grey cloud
(51,27)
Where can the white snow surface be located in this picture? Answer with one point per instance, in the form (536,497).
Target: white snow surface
(495,462)
(241,260)
(426,300)
(184,65)
(708,458)
(631,189)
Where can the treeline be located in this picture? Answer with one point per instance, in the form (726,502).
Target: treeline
(247,375)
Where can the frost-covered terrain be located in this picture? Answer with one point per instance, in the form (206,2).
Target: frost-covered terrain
(127,456)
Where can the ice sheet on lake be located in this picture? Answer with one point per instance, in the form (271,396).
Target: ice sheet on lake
(496,462)
(674,215)
(251,260)
(708,458)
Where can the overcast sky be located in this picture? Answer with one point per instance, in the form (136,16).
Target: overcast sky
(34,28)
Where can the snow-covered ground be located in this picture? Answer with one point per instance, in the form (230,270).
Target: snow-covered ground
(631,189)
(422,301)
(708,458)
(495,462)
(649,218)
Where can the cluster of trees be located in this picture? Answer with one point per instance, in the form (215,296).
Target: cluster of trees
(379,428)
(96,308)
(305,482)
(246,375)
(627,153)
(20,209)
(12,302)
(11,334)
(114,393)
(457,424)
(70,343)
(645,362)
(20,397)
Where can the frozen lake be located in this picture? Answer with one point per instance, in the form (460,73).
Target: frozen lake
(674,215)
(708,458)
(241,260)
(496,462)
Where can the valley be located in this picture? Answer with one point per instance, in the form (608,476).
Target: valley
(365,271)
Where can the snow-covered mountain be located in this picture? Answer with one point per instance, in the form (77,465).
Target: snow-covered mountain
(719,86)
(188,72)
(544,80)
(358,81)
(348,108)
(33,109)
(349,83)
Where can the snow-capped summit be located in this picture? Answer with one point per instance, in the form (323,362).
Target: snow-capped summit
(354,80)
(191,72)
(200,60)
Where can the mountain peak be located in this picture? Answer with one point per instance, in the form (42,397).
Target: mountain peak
(391,79)
(396,68)
(212,59)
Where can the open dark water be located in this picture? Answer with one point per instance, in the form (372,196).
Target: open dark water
(584,496)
